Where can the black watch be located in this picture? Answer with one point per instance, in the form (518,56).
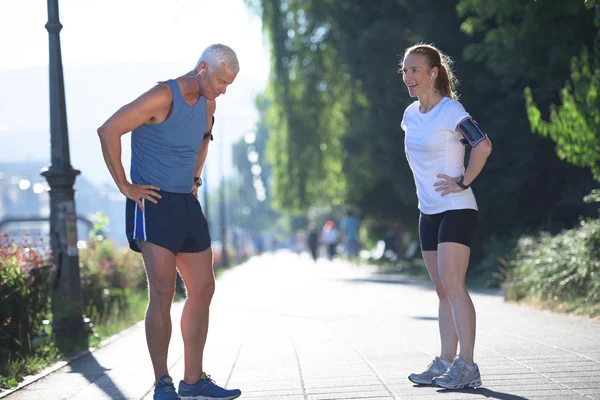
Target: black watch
(460,183)
(198,181)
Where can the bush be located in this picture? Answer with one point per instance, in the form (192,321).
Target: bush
(107,279)
(24,295)
(488,266)
(560,269)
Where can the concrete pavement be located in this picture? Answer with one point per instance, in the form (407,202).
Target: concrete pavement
(285,328)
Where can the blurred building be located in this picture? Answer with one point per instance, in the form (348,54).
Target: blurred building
(25,203)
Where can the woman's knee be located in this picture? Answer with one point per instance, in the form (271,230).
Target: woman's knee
(452,284)
(440,291)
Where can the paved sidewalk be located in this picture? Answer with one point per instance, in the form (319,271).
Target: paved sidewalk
(284,328)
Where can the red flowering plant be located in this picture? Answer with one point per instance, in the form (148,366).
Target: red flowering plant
(24,294)
(107,277)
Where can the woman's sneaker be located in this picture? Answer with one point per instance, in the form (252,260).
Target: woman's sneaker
(164,389)
(206,389)
(435,369)
(459,376)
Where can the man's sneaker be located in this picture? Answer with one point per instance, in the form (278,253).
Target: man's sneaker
(459,376)
(436,368)
(164,389)
(206,389)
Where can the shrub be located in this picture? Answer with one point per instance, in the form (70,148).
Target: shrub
(107,278)
(563,268)
(24,295)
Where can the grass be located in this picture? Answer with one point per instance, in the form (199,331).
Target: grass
(14,368)
(575,307)
(138,301)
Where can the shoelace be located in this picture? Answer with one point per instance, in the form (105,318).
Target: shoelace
(437,364)
(165,386)
(209,380)
(456,370)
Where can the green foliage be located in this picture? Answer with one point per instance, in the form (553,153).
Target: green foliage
(593,197)
(334,82)
(113,290)
(310,93)
(574,125)
(561,268)
(490,269)
(24,289)
(108,279)
(100,229)
(24,306)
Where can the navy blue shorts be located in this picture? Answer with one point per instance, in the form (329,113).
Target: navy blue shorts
(176,223)
(456,226)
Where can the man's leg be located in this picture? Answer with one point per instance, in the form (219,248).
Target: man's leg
(161,273)
(196,269)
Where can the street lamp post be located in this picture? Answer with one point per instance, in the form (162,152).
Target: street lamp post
(67,304)
(222,211)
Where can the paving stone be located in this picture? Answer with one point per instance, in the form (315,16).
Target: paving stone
(284,328)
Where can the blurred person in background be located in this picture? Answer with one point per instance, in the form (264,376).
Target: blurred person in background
(437,131)
(350,226)
(330,236)
(313,241)
(170,127)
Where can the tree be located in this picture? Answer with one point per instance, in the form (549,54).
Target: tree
(575,125)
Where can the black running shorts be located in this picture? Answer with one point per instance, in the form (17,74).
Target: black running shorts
(456,226)
(176,223)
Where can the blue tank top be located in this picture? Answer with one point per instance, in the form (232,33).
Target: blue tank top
(165,154)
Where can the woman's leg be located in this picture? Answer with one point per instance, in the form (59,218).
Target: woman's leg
(448,336)
(453,260)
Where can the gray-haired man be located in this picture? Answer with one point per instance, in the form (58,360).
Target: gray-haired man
(171,126)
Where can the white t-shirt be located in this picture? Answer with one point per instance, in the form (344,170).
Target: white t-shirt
(433,147)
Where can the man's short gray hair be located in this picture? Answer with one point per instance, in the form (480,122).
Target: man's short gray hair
(217,54)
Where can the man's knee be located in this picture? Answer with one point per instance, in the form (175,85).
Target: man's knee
(161,293)
(201,292)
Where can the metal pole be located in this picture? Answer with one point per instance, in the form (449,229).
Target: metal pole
(222,211)
(205,191)
(67,304)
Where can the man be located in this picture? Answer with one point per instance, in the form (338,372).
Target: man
(171,126)
(350,227)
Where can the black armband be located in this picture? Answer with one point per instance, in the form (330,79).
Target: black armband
(471,131)
(209,133)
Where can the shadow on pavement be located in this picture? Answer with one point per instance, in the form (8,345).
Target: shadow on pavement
(487,393)
(95,373)
(377,280)
(426,318)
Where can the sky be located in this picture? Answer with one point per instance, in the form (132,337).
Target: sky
(112,51)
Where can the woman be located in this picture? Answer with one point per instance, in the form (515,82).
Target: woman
(437,130)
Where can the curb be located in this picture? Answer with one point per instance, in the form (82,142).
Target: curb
(60,364)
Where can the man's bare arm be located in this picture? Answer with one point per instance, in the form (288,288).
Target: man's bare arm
(140,111)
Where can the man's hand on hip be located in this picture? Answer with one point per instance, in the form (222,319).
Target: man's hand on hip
(137,192)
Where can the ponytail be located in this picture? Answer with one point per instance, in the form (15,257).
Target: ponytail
(446,82)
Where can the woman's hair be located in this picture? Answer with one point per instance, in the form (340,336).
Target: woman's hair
(446,82)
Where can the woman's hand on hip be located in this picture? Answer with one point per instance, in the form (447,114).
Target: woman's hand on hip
(447,185)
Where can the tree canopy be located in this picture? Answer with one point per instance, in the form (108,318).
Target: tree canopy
(336,102)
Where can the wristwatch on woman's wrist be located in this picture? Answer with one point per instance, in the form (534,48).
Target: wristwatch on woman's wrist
(198,181)
(460,183)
